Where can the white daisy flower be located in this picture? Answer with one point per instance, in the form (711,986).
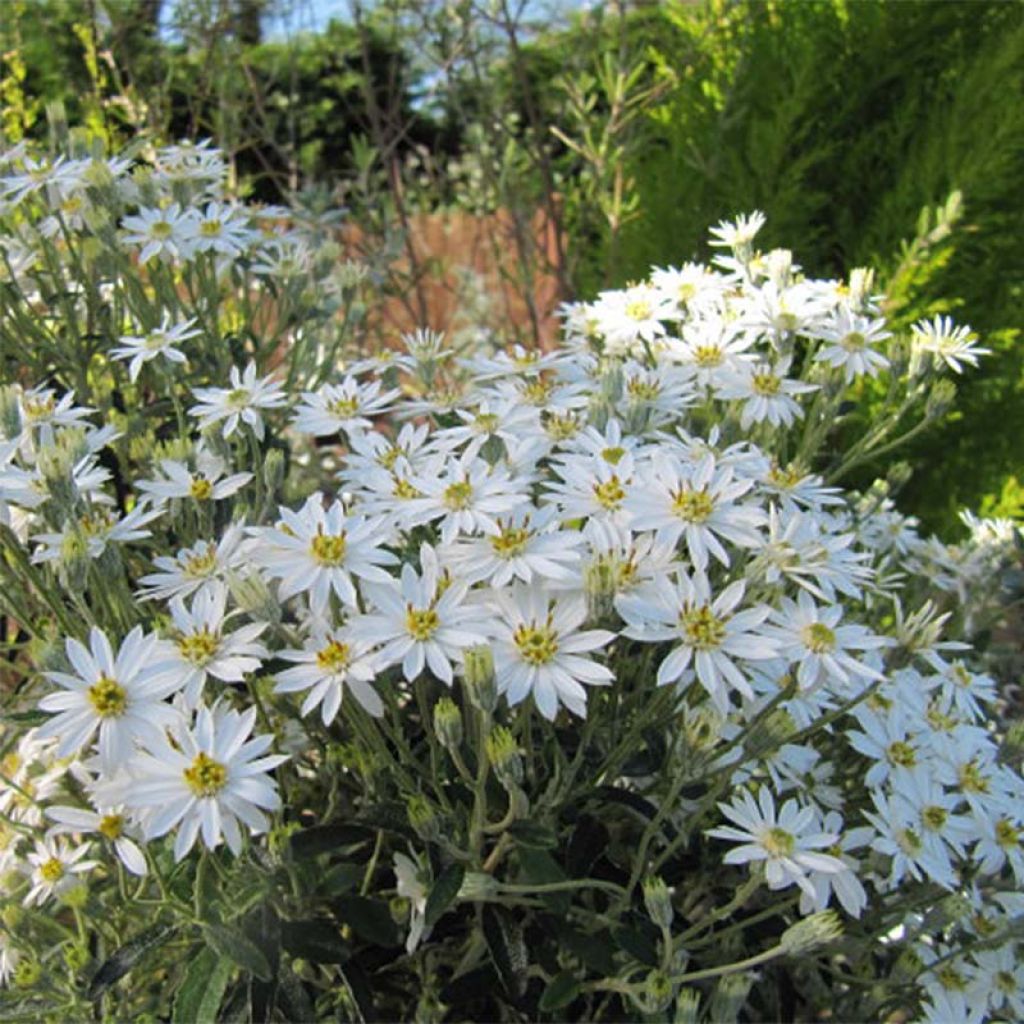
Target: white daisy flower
(196,568)
(108,822)
(766,395)
(161,341)
(212,780)
(345,407)
(739,233)
(205,483)
(331,662)
(199,647)
(540,649)
(53,867)
(849,337)
(950,345)
(241,402)
(160,232)
(321,550)
(99,526)
(709,634)
(121,697)
(786,843)
(419,622)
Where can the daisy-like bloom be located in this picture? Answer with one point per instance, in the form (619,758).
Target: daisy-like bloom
(845,884)
(199,646)
(489,419)
(241,402)
(813,638)
(41,411)
(319,550)
(849,338)
(766,395)
(346,407)
(525,545)
(709,633)
(331,662)
(514,362)
(898,835)
(161,232)
(419,621)
(205,483)
(592,488)
(9,957)
(740,233)
(196,568)
(466,495)
(697,504)
(712,347)
(109,822)
(411,883)
(53,867)
(540,649)
(997,976)
(951,345)
(160,341)
(98,526)
(632,317)
(222,229)
(211,779)
(120,696)
(786,844)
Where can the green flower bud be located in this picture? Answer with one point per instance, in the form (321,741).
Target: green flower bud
(687,1006)
(600,583)
(11,916)
(940,400)
(658,902)
(74,560)
(423,819)
(730,995)
(253,596)
(816,930)
(657,991)
(478,676)
(77,896)
(76,957)
(273,470)
(448,723)
(503,755)
(27,973)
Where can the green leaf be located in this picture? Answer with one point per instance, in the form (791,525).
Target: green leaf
(563,988)
(311,842)
(206,890)
(505,943)
(123,960)
(239,949)
(529,834)
(202,991)
(340,879)
(538,867)
(369,918)
(443,892)
(317,939)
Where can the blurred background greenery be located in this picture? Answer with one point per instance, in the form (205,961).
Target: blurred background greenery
(609,138)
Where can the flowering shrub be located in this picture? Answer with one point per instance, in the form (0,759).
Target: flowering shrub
(513,685)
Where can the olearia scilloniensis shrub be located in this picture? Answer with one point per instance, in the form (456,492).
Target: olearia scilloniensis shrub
(496,685)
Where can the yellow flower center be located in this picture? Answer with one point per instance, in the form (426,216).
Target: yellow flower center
(787,322)
(108,697)
(685,292)
(511,541)
(388,457)
(818,638)
(538,391)
(708,356)
(909,841)
(155,340)
(1006,982)
(526,360)
(900,753)
(201,565)
(766,384)
(211,228)
(971,778)
(201,489)
(613,455)
(1007,834)
(561,428)
(638,309)
(198,647)
(642,390)
(334,657)
(97,522)
(950,978)
(785,478)
(854,342)
(609,494)
(486,422)
(328,549)
(206,777)
(238,398)
(160,229)
(51,870)
(37,408)
(421,623)
(537,645)
(778,842)
(458,495)
(693,506)
(112,826)
(405,490)
(934,817)
(343,407)
(702,629)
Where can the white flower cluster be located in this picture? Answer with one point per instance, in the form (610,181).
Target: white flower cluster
(632,510)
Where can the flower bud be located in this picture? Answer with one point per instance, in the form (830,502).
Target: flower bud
(816,930)
(940,400)
(600,582)
(253,596)
(687,1006)
(503,754)
(478,676)
(76,957)
(423,819)
(76,897)
(730,995)
(273,470)
(478,886)
(11,916)
(657,991)
(1012,749)
(862,284)
(658,902)
(27,973)
(74,560)
(448,723)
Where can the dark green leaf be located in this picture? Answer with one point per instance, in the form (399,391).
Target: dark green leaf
(317,940)
(122,961)
(206,891)
(389,816)
(563,988)
(527,833)
(27,718)
(443,892)
(589,841)
(505,943)
(369,918)
(293,998)
(340,879)
(311,842)
(638,941)
(538,867)
(594,951)
(239,949)
(202,991)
